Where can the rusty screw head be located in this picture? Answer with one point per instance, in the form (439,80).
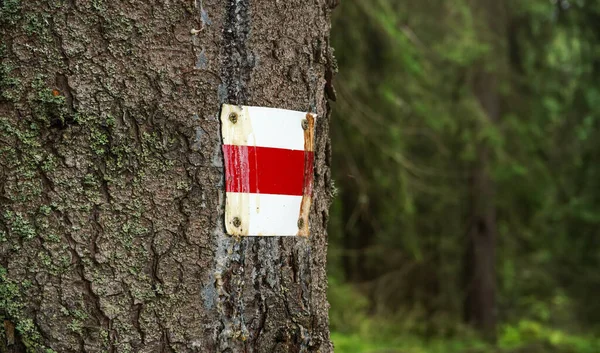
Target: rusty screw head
(300,223)
(304,124)
(237,222)
(233,117)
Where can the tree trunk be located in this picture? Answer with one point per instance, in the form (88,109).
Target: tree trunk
(480,261)
(111,180)
(357,238)
(480,258)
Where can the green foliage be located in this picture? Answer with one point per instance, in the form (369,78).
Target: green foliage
(349,307)
(391,336)
(531,333)
(408,129)
(525,337)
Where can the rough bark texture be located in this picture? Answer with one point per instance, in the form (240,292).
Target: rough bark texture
(111,176)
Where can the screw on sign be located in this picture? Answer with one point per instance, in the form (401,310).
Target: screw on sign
(269,162)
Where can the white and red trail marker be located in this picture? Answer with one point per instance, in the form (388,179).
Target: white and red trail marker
(269,161)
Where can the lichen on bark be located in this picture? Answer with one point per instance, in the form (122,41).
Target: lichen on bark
(111,177)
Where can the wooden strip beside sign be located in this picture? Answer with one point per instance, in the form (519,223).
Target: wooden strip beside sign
(269,161)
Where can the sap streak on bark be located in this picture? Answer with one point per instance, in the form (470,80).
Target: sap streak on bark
(237,63)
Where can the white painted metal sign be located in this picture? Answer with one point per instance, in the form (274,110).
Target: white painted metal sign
(269,162)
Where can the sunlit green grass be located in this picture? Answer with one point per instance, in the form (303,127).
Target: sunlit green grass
(525,337)
(356,330)
(357,344)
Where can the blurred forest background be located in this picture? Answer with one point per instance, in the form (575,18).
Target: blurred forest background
(466,139)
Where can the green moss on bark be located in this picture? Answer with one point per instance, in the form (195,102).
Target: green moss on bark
(12,308)
(10,12)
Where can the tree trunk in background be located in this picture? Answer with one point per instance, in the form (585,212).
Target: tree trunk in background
(480,261)
(357,238)
(111,180)
(480,301)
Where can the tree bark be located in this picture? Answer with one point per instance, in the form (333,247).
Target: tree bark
(480,256)
(111,179)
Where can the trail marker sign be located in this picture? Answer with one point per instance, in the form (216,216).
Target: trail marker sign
(269,162)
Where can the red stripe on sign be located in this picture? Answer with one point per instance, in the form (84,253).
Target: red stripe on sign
(265,170)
